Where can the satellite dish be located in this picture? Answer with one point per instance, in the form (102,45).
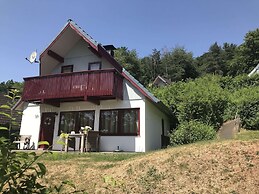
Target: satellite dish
(32,58)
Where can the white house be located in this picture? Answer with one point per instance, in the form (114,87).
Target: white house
(81,84)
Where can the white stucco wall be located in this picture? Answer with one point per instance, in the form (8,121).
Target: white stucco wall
(80,56)
(30,124)
(154,126)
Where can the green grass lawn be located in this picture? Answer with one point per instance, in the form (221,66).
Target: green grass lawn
(247,135)
(90,157)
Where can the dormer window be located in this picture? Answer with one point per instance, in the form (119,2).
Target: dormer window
(67,69)
(94,66)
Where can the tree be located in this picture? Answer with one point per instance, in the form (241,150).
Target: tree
(212,61)
(250,48)
(129,60)
(151,67)
(178,64)
(10,84)
(246,55)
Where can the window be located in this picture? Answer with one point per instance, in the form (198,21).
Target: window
(94,66)
(119,122)
(67,69)
(73,121)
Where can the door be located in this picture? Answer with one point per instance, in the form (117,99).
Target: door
(47,128)
(165,140)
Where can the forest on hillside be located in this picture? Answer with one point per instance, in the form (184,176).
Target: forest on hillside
(178,64)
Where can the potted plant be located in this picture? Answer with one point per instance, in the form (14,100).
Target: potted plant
(85,129)
(62,139)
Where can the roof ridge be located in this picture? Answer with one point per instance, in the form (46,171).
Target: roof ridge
(89,37)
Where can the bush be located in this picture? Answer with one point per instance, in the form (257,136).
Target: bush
(190,132)
(241,81)
(202,99)
(246,101)
(214,99)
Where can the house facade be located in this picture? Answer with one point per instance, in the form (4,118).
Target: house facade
(81,84)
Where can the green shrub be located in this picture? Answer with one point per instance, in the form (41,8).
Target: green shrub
(190,132)
(246,101)
(214,99)
(241,81)
(202,99)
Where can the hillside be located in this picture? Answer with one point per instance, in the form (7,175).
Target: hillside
(206,167)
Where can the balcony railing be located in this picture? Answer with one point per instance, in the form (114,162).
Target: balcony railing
(97,84)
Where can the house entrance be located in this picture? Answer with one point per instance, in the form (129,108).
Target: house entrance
(47,128)
(164,139)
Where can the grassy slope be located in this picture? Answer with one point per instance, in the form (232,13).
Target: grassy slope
(206,167)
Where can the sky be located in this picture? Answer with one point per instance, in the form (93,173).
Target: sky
(27,25)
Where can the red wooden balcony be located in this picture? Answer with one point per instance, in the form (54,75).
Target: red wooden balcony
(85,85)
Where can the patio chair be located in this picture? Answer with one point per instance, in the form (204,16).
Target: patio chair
(93,141)
(25,139)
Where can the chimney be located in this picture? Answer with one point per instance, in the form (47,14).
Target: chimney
(110,49)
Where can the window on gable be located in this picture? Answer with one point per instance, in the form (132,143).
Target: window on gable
(94,66)
(119,122)
(67,69)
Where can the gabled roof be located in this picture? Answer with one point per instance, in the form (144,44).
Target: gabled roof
(254,71)
(161,79)
(68,37)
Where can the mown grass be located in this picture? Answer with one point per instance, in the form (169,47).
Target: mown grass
(91,157)
(247,135)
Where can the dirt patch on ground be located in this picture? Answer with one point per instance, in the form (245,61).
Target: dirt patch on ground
(217,167)
(229,129)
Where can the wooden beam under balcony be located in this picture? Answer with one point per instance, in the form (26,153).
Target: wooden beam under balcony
(56,56)
(51,102)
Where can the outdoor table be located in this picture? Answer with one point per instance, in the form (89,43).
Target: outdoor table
(76,135)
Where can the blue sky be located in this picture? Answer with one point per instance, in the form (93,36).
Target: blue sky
(137,24)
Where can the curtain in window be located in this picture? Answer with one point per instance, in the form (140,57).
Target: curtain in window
(129,121)
(86,119)
(67,122)
(119,122)
(109,121)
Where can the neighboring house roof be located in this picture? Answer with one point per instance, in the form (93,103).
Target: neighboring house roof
(3,119)
(254,71)
(159,79)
